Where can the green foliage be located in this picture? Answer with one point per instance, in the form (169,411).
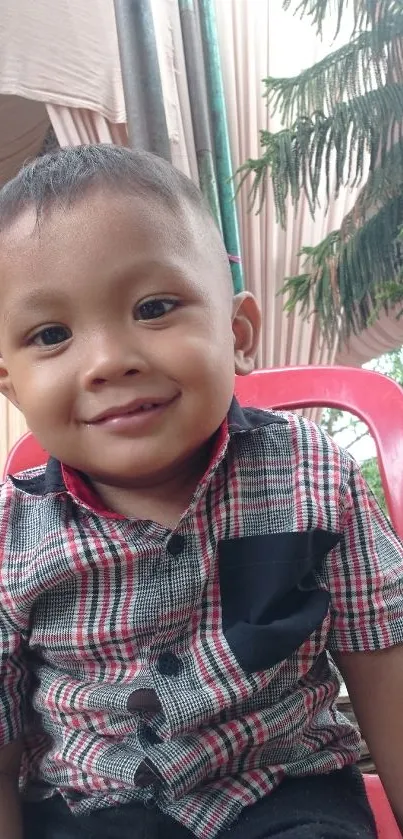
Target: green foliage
(390,364)
(335,113)
(351,276)
(320,9)
(333,149)
(349,71)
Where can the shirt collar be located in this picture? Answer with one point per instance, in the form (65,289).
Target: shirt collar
(45,482)
(249,419)
(58,478)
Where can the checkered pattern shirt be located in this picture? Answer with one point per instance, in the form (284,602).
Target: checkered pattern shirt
(190,669)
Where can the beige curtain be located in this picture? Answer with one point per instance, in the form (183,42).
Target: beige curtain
(78,126)
(386,334)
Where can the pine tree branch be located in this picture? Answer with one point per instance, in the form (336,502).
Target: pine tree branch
(384,182)
(334,147)
(349,427)
(316,290)
(320,10)
(351,71)
(352,275)
(357,439)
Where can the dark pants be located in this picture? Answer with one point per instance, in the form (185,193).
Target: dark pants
(326,807)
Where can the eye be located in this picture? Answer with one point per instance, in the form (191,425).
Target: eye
(50,336)
(154,308)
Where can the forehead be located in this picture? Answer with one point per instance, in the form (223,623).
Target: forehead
(103,235)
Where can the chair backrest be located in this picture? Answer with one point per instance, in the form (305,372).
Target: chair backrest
(374,398)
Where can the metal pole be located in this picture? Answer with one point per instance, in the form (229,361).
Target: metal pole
(198,104)
(142,87)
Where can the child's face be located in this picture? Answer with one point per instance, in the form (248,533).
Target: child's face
(119,336)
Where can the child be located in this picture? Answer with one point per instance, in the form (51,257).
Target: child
(172,581)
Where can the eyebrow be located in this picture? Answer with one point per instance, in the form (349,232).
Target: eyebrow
(33,301)
(37,300)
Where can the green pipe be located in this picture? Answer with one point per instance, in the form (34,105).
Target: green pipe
(219,122)
(199,106)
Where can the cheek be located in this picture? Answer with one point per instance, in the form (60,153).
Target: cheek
(205,371)
(201,369)
(198,348)
(41,391)
(202,362)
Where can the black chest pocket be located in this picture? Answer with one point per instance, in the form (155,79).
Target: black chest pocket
(269,597)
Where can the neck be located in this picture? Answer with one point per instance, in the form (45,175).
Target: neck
(163,500)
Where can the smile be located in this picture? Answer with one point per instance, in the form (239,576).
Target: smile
(140,410)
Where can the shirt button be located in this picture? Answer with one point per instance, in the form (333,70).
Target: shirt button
(151,736)
(144,699)
(169,664)
(145,776)
(176,544)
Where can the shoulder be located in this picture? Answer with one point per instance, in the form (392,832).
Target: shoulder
(300,438)
(20,498)
(30,481)
(309,437)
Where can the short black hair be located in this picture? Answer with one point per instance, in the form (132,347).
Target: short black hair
(62,177)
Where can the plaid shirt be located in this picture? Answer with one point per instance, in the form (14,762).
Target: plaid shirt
(189,669)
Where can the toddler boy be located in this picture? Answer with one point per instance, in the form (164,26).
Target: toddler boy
(173,582)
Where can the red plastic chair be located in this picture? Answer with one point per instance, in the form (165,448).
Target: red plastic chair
(374,398)
(385,820)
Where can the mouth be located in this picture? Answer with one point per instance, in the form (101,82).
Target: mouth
(138,407)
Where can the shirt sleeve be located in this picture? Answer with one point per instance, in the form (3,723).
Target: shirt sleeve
(14,682)
(364,574)
(15,678)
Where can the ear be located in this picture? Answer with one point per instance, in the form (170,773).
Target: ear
(246,323)
(6,387)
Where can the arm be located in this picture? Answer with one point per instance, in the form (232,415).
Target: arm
(364,575)
(10,806)
(14,690)
(15,675)
(375,681)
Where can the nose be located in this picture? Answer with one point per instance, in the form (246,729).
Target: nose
(107,359)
